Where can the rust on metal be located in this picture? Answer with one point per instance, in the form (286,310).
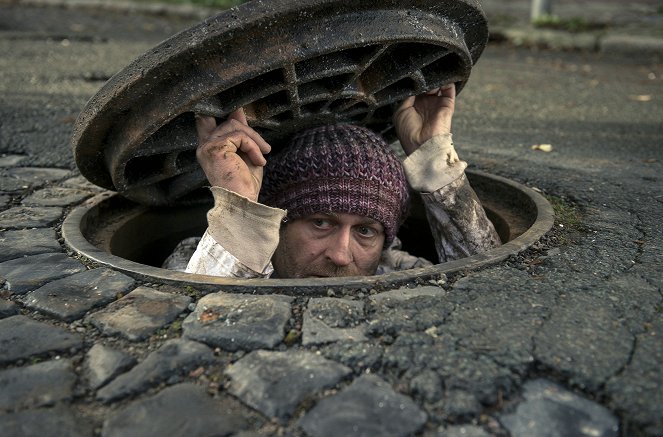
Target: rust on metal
(291,65)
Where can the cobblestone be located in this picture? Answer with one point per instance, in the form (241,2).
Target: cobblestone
(22,338)
(393,298)
(460,404)
(56,196)
(37,175)
(175,357)
(23,217)
(361,357)
(183,407)
(37,385)
(275,383)
(81,183)
(550,411)
(45,422)
(139,314)
(327,320)
(427,385)
(462,431)
(18,179)
(16,244)
(401,310)
(236,321)
(369,406)
(10,160)
(31,272)
(103,363)
(71,297)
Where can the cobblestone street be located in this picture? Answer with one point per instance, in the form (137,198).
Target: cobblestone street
(563,339)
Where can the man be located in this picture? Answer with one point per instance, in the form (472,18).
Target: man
(330,203)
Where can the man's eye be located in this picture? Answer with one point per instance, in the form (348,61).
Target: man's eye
(366,231)
(321,223)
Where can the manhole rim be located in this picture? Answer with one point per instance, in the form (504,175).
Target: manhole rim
(76,241)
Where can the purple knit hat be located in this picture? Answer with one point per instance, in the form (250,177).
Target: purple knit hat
(338,168)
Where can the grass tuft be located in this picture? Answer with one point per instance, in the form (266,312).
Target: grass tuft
(566,214)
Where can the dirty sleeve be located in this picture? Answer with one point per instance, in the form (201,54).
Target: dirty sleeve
(457,220)
(240,240)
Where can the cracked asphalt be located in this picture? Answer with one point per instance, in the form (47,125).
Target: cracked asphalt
(565,338)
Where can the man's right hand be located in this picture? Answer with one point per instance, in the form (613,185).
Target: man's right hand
(231,154)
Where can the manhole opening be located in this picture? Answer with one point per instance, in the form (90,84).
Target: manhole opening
(136,239)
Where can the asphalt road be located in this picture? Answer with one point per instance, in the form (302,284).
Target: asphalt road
(584,309)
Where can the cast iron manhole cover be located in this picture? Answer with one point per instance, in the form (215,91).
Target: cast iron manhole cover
(290,64)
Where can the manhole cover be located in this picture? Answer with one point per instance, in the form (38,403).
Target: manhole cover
(135,239)
(290,64)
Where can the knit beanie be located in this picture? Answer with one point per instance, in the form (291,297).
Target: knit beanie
(338,168)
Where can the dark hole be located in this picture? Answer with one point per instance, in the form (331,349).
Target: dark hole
(415,235)
(158,230)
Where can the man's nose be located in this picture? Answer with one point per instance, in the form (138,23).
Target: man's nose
(338,250)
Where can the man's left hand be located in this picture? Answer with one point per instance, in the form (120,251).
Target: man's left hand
(420,118)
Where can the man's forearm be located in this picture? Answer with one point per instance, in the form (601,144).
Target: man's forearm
(457,219)
(458,222)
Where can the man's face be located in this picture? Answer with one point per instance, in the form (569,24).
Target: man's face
(326,245)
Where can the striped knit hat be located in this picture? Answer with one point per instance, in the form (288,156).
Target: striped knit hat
(338,168)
